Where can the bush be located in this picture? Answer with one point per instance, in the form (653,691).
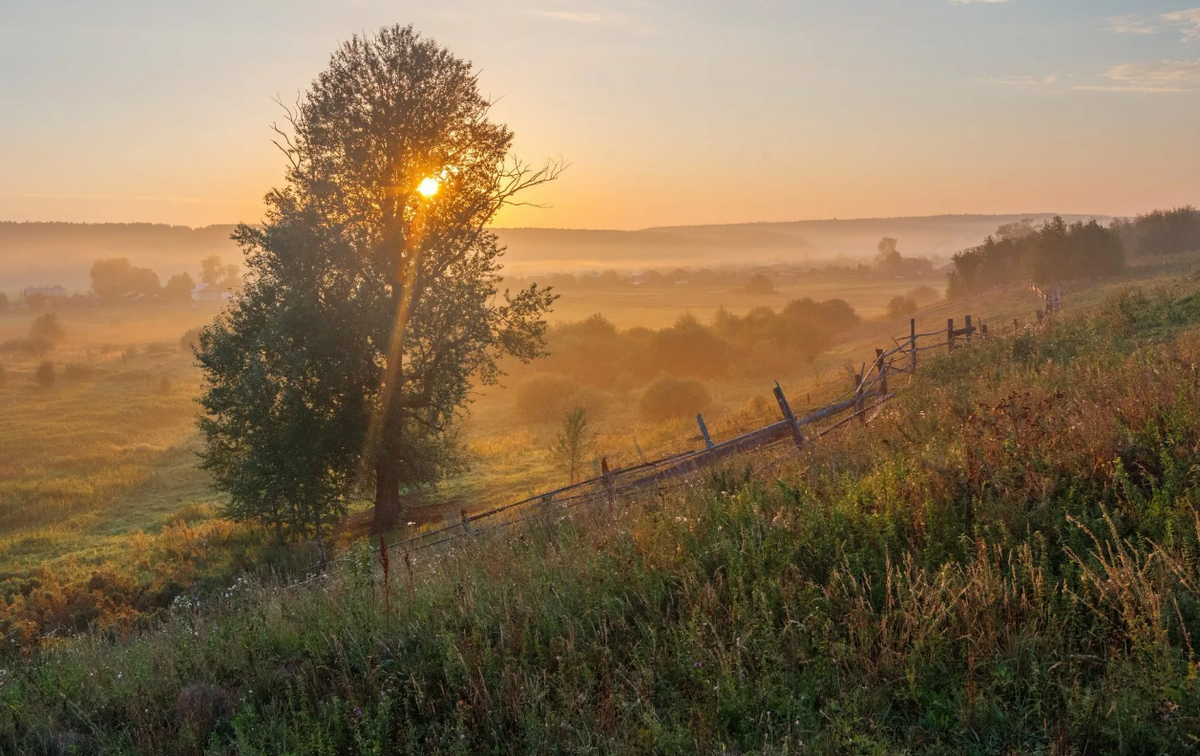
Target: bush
(760,285)
(47,329)
(78,371)
(190,339)
(924,295)
(671,398)
(900,308)
(546,397)
(45,374)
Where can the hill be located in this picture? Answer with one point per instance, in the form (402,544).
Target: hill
(1006,561)
(62,253)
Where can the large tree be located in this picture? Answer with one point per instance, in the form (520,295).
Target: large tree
(369,306)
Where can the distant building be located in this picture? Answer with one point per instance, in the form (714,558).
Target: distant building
(44,292)
(211,293)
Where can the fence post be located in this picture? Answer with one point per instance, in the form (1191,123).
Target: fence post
(970,330)
(950,334)
(610,484)
(786,409)
(912,342)
(983,330)
(881,367)
(466,522)
(858,392)
(708,442)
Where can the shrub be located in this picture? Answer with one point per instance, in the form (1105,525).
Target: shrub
(671,397)
(546,397)
(760,285)
(924,295)
(901,307)
(47,329)
(190,339)
(78,371)
(45,374)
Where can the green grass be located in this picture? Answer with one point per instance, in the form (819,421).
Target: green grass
(1007,561)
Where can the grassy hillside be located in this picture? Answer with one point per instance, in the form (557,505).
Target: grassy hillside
(1008,561)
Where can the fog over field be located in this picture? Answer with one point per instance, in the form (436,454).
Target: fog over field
(33,254)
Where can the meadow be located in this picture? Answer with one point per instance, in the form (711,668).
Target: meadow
(1007,561)
(105,517)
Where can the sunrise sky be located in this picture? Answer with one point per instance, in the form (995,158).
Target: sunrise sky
(670,111)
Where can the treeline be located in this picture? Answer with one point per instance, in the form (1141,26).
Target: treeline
(592,358)
(1056,251)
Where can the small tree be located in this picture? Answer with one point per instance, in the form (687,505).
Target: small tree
(45,375)
(46,332)
(179,288)
(886,254)
(573,443)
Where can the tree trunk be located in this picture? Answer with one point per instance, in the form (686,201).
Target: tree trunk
(387,499)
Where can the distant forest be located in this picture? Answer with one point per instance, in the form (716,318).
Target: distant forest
(1056,250)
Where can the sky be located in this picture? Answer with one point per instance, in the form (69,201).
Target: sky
(668,111)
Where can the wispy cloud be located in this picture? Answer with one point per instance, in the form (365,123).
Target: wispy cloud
(1187,22)
(570,16)
(1164,77)
(969,2)
(1023,81)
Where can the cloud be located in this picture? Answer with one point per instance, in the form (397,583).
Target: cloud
(970,2)
(1023,81)
(1189,19)
(1168,76)
(1186,22)
(570,16)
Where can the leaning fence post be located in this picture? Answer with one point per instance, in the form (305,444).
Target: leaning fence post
(881,367)
(950,333)
(912,341)
(786,409)
(708,442)
(610,484)
(970,329)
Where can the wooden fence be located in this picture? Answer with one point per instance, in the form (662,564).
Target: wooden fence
(874,386)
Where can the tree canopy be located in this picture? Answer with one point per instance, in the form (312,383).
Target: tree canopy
(368,309)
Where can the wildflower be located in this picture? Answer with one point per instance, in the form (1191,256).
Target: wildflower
(357,712)
(699,665)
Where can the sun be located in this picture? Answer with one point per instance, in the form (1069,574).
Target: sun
(428,187)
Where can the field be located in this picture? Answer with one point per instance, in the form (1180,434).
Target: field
(98,472)
(1008,561)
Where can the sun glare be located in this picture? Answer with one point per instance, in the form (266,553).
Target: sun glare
(428,187)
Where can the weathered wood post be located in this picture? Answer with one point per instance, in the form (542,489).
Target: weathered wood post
(786,409)
(912,342)
(465,519)
(970,330)
(859,386)
(983,330)
(950,334)
(881,367)
(610,483)
(708,442)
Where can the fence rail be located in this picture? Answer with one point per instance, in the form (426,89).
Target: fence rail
(861,402)
(870,392)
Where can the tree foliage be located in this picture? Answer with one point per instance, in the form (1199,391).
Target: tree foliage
(115,277)
(1162,232)
(367,311)
(1046,254)
(572,443)
(179,288)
